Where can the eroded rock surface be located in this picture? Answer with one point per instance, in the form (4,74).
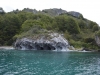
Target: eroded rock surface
(52,41)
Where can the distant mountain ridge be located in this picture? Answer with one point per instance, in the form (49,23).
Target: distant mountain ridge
(50,12)
(54,12)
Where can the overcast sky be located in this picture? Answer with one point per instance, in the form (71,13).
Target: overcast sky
(89,8)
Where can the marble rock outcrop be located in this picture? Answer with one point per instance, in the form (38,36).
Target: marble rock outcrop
(52,41)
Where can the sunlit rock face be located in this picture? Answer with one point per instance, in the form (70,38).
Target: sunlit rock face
(97,39)
(52,41)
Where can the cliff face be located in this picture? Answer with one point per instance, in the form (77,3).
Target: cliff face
(52,41)
(97,39)
(54,11)
(1,10)
(75,14)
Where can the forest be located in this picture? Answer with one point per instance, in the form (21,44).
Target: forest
(79,31)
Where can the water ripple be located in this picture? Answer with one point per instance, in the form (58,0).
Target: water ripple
(49,63)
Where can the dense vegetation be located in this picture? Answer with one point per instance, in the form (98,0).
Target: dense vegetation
(79,31)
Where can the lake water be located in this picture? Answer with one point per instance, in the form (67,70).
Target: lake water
(14,62)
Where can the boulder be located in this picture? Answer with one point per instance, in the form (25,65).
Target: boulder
(86,49)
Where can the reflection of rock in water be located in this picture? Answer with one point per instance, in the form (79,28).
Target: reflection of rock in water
(53,41)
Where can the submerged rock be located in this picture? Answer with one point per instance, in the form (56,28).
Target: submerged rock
(52,41)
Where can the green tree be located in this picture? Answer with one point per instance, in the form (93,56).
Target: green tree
(95,28)
(28,24)
(9,26)
(67,23)
(91,24)
(73,26)
(82,24)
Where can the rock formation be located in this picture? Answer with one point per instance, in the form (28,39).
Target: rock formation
(54,11)
(75,14)
(52,41)
(97,39)
(1,10)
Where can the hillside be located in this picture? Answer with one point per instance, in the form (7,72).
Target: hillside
(79,31)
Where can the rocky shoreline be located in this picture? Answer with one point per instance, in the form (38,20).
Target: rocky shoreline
(78,50)
(6,47)
(92,50)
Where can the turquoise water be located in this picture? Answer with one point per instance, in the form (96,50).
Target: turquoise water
(13,62)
